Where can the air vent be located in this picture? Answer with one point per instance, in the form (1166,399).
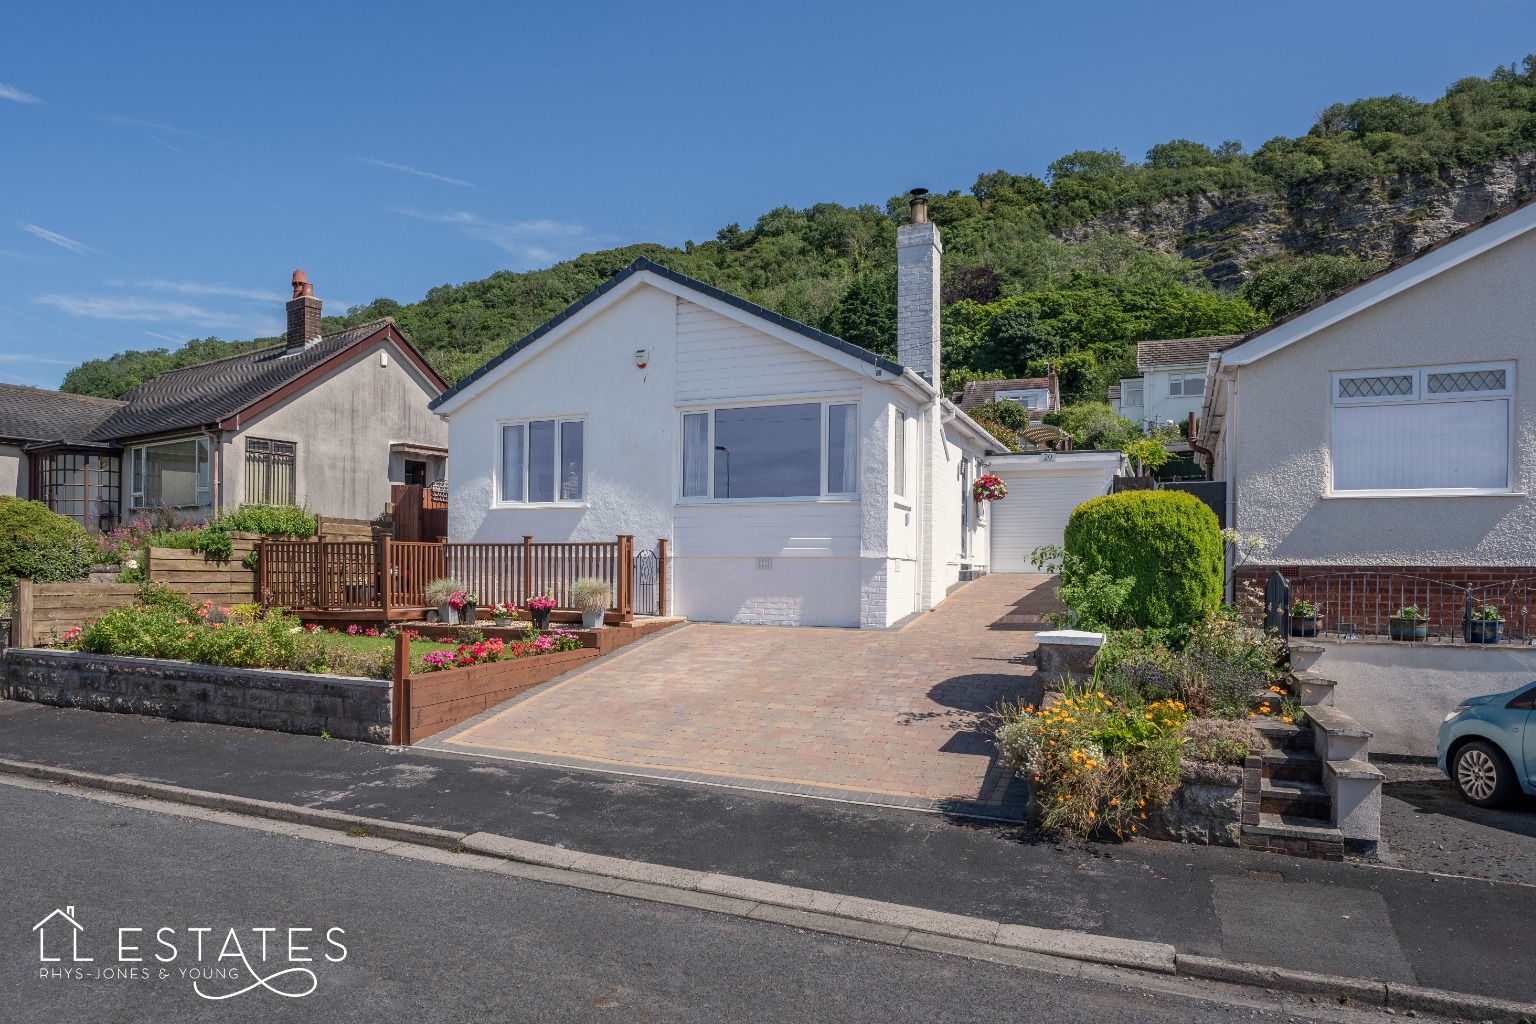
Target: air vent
(765,563)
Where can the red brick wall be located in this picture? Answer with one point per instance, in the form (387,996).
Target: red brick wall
(1366,595)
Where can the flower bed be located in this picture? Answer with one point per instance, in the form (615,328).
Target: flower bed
(483,651)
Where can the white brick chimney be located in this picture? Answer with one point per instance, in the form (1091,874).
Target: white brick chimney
(917,291)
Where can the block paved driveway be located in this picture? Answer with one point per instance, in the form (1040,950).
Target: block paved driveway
(888,717)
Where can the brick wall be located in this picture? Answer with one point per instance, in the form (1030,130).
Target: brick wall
(346,708)
(1365,596)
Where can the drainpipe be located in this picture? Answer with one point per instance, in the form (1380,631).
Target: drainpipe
(1229,428)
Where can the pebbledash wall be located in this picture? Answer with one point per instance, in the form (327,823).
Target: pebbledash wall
(298,702)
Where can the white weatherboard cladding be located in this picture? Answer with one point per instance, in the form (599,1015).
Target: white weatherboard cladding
(794,592)
(722,359)
(631,430)
(1036,510)
(1479,311)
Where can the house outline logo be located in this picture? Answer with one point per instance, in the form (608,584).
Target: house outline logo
(68,914)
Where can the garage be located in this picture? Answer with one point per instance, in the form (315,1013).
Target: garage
(1043,489)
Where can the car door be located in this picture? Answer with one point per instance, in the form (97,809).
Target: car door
(1518,719)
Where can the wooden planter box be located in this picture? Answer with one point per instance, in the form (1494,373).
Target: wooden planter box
(429,702)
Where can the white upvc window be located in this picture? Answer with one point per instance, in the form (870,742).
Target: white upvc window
(1130,393)
(170,474)
(899,456)
(543,462)
(799,450)
(1425,429)
(1185,385)
(1030,398)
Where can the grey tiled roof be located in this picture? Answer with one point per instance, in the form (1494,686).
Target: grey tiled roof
(1182,351)
(198,396)
(33,414)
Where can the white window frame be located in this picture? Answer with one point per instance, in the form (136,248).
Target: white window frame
(710,408)
(899,455)
(1419,395)
(202,469)
(501,460)
(1027,397)
(1139,387)
(1183,380)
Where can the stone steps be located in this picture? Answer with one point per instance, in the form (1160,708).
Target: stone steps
(1289,798)
(1296,765)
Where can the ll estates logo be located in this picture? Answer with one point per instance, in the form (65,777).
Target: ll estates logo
(220,963)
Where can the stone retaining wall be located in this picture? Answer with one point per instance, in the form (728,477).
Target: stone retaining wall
(299,702)
(1207,813)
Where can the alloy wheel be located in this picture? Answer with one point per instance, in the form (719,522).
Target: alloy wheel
(1477,774)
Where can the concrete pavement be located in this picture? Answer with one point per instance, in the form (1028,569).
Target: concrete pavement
(1442,932)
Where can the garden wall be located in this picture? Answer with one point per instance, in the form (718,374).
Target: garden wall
(431,702)
(203,579)
(42,611)
(346,708)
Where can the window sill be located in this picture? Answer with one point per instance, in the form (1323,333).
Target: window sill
(1448,492)
(852,499)
(903,507)
(523,505)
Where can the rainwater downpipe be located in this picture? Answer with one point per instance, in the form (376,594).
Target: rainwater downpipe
(1231,474)
(216,455)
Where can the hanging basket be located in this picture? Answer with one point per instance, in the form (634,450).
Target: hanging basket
(989,488)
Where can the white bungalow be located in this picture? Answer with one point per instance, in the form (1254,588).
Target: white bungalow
(798,479)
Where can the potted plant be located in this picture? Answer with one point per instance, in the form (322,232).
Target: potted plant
(989,488)
(1306,618)
(1408,624)
(503,612)
(591,596)
(1483,625)
(439,593)
(464,603)
(540,607)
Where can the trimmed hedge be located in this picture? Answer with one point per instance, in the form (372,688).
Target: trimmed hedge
(36,543)
(1169,541)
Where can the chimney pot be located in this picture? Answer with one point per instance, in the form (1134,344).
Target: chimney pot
(919,205)
(303,313)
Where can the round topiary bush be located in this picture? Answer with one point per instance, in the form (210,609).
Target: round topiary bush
(39,544)
(1169,541)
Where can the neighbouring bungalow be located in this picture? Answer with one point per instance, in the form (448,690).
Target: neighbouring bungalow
(329,421)
(1391,425)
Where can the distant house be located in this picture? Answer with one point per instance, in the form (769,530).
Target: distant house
(327,421)
(1172,381)
(1394,423)
(799,479)
(1039,395)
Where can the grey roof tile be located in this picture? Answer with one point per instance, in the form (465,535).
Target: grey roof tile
(34,414)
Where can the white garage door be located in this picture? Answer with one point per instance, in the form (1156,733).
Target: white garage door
(1036,512)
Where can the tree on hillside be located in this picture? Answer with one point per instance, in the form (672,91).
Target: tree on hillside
(1283,284)
(866,315)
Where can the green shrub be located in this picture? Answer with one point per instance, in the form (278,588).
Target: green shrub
(271,520)
(36,543)
(1168,541)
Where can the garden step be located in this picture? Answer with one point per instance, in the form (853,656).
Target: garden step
(1298,837)
(1283,736)
(1297,765)
(1292,799)
(1314,689)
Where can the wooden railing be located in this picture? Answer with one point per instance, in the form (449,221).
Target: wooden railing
(391,576)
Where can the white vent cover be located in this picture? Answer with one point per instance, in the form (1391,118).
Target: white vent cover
(765,563)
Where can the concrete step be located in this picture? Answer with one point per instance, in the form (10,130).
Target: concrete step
(1281,736)
(1296,765)
(1291,799)
(1304,654)
(1337,737)
(1314,689)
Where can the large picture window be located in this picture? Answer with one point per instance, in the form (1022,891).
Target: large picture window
(1423,429)
(796,450)
(543,461)
(269,476)
(170,474)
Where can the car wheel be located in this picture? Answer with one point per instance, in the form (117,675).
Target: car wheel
(1483,775)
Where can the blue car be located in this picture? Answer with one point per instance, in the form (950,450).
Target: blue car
(1484,749)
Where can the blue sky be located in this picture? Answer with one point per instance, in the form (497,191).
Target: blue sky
(165,167)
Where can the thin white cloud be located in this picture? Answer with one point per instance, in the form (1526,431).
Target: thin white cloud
(129,307)
(62,241)
(177,338)
(137,125)
(12,357)
(15,95)
(407,169)
(23,380)
(221,290)
(536,240)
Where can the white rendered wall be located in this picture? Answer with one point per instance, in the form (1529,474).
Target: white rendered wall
(13,471)
(1481,310)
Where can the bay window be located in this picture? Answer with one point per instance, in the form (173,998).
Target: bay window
(170,474)
(1435,429)
(805,450)
(543,461)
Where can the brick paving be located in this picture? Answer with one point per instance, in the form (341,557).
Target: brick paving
(888,717)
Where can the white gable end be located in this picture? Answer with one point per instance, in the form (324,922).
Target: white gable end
(720,358)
